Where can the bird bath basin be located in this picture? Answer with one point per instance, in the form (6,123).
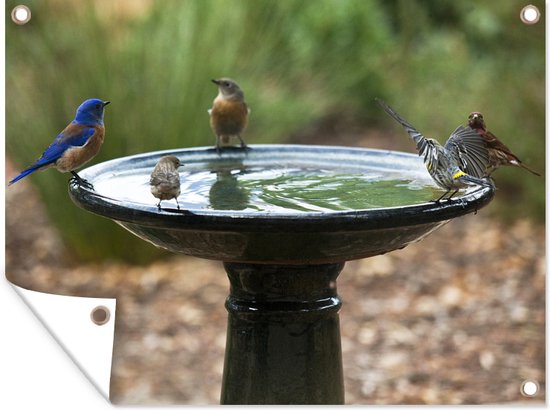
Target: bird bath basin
(283,219)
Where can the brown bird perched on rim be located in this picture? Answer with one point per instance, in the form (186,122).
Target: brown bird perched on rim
(165,179)
(229,112)
(499,154)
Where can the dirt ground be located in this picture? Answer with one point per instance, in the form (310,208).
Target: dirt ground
(458,318)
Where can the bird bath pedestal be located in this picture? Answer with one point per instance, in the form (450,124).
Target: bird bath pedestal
(282,256)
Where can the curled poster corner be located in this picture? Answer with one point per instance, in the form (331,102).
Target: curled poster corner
(83,326)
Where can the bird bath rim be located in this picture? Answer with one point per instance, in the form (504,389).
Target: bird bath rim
(278,238)
(473,199)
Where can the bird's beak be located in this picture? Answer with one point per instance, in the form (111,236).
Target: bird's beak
(217,82)
(106,103)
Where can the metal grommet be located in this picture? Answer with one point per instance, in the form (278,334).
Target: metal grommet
(100,315)
(529,388)
(21,14)
(530,14)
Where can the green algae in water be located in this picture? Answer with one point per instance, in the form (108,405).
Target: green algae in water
(282,189)
(299,190)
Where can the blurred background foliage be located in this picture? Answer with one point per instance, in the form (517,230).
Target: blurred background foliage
(299,62)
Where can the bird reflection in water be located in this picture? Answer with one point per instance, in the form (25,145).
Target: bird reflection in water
(226,194)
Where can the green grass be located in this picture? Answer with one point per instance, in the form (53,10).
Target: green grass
(297,61)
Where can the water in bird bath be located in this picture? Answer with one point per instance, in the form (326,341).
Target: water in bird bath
(275,188)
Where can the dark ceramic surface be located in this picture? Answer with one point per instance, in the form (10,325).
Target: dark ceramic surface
(283,238)
(283,340)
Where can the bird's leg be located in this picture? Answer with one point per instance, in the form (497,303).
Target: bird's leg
(449,198)
(243,144)
(177,203)
(81,181)
(158,205)
(442,196)
(218,147)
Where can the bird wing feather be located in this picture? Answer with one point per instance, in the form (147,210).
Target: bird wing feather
(470,150)
(74,135)
(413,132)
(428,148)
(168,178)
(496,144)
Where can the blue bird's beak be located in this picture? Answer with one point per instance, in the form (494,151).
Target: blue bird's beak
(106,102)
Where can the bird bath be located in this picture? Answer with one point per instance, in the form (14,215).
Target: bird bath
(283,219)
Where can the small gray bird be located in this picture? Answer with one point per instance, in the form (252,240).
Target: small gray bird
(165,180)
(229,112)
(452,165)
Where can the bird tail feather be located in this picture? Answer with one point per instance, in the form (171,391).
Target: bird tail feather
(521,164)
(26,172)
(468,179)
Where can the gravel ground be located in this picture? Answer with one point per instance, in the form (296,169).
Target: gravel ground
(458,318)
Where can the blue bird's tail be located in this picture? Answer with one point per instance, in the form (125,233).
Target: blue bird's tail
(23,174)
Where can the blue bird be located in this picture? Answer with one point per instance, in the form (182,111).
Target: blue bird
(78,143)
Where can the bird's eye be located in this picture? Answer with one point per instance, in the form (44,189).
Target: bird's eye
(227,84)
(98,106)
